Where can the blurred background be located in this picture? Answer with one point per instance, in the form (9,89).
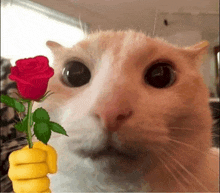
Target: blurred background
(26,25)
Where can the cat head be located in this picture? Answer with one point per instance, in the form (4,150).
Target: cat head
(123,96)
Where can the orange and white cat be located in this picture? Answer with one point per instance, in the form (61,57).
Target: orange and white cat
(137,114)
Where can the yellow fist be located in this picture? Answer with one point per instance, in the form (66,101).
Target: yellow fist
(29,168)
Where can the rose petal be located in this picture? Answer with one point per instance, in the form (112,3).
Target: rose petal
(46,75)
(19,80)
(24,65)
(32,76)
(42,59)
(14,70)
(19,64)
(33,93)
(43,62)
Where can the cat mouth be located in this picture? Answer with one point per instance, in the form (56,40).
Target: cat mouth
(109,151)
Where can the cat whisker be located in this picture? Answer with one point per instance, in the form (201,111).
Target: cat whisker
(190,146)
(185,169)
(176,169)
(169,170)
(180,128)
(174,146)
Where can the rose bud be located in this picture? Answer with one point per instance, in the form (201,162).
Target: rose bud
(32,76)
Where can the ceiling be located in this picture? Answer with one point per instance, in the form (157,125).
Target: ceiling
(122,14)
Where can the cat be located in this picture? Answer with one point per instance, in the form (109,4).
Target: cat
(137,114)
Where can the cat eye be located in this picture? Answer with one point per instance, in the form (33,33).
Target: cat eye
(75,74)
(160,75)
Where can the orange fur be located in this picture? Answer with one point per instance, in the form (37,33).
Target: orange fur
(172,124)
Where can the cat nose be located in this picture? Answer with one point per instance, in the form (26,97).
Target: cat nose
(112,116)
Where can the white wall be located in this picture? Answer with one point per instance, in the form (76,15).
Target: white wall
(189,20)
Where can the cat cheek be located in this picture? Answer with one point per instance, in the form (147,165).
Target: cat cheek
(143,139)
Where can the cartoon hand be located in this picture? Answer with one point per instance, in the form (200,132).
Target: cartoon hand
(29,168)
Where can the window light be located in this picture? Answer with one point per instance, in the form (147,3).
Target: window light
(27,26)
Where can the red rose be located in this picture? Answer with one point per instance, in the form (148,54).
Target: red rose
(32,76)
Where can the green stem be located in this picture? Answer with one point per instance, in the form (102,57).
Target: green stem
(29,137)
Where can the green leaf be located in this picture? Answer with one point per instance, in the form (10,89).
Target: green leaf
(20,127)
(24,100)
(11,102)
(42,132)
(19,106)
(7,100)
(57,128)
(41,115)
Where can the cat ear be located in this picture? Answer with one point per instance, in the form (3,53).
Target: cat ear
(200,48)
(198,51)
(54,46)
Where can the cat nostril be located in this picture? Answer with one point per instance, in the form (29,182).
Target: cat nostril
(121,117)
(124,116)
(97,116)
(112,119)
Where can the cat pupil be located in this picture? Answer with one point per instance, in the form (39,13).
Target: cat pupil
(76,74)
(160,75)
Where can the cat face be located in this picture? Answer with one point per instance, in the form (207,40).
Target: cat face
(130,102)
